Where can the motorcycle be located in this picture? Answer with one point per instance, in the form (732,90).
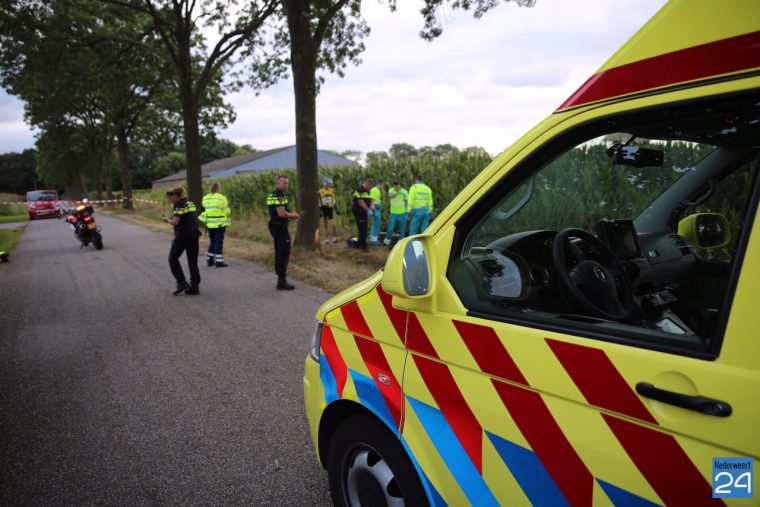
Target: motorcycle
(82,221)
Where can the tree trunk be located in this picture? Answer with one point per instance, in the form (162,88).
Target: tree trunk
(107,169)
(98,170)
(303,62)
(126,177)
(75,185)
(189,99)
(192,152)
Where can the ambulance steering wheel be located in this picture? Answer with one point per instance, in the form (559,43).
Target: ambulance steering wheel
(601,288)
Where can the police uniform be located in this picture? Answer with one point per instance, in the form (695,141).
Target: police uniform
(360,194)
(186,235)
(278,228)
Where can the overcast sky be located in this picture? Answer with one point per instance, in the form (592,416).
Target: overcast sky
(482,83)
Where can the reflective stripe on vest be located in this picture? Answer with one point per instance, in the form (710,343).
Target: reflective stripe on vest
(420,196)
(217,211)
(187,208)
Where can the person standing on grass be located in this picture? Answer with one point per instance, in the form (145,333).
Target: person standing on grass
(398,197)
(279,218)
(216,217)
(376,194)
(361,209)
(420,206)
(327,208)
(186,234)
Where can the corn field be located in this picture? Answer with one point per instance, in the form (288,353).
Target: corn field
(247,193)
(577,189)
(447,177)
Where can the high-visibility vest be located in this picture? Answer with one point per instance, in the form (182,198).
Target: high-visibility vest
(420,196)
(217,211)
(376,195)
(398,200)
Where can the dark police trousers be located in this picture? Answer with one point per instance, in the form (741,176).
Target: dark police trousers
(216,242)
(281,237)
(361,224)
(185,242)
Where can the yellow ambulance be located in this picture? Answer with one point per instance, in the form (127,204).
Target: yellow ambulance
(581,326)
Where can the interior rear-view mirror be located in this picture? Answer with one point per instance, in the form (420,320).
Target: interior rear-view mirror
(635,156)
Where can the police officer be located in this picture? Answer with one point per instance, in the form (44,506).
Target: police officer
(361,207)
(279,216)
(419,206)
(216,216)
(186,235)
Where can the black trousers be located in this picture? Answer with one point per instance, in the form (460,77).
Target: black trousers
(281,236)
(186,242)
(361,225)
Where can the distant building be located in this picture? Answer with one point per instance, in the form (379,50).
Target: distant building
(260,161)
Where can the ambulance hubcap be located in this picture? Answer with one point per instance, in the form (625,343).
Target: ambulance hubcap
(369,480)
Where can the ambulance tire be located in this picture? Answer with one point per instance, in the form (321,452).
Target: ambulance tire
(366,465)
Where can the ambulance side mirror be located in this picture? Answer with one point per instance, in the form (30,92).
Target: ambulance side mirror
(705,230)
(409,270)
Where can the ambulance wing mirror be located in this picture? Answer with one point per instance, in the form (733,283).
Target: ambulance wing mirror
(705,230)
(409,270)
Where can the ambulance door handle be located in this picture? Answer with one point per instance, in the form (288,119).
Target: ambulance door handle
(701,404)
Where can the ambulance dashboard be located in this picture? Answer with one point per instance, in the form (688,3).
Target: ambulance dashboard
(655,263)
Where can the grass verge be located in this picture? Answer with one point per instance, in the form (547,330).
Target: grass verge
(8,239)
(7,219)
(336,268)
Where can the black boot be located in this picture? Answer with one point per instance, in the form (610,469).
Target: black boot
(181,287)
(282,284)
(193,290)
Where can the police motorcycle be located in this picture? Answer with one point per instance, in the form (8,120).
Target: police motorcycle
(82,221)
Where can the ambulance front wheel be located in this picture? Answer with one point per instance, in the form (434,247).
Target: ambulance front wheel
(367,466)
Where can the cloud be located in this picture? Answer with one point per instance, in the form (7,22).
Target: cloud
(483,82)
(11,109)
(15,135)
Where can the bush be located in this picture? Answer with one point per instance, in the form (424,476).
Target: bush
(12,209)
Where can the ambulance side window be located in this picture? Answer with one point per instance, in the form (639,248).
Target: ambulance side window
(728,197)
(583,236)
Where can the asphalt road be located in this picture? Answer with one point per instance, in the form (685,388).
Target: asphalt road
(115,392)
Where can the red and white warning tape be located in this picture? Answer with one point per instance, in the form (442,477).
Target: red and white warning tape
(98,201)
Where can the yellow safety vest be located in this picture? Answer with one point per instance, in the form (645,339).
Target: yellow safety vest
(420,196)
(217,211)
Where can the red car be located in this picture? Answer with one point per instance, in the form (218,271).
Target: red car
(43,203)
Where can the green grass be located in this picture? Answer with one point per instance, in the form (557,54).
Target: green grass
(8,239)
(5,219)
